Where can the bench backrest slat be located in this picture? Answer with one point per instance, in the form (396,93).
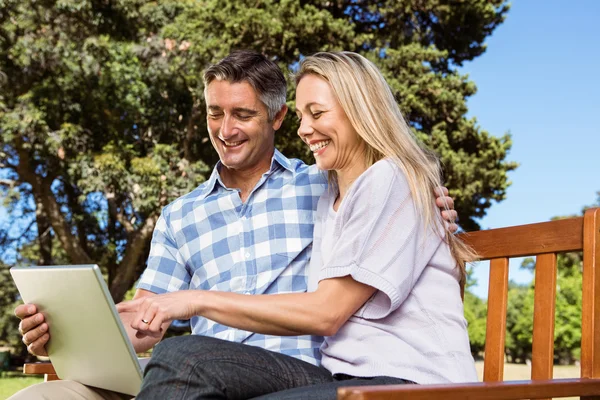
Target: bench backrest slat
(544,241)
(495,335)
(590,311)
(542,358)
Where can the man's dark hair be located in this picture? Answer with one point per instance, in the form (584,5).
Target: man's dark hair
(262,74)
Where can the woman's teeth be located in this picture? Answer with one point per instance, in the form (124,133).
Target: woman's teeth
(318,146)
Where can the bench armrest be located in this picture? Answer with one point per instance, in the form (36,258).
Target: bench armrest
(41,368)
(538,389)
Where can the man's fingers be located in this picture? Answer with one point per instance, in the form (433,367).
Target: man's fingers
(449,215)
(441,191)
(452,228)
(35,334)
(25,310)
(30,323)
(38,348)
(442,202)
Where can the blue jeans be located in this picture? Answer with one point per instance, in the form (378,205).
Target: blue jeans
(199,367)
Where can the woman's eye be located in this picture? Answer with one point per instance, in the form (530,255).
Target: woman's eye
(317,114)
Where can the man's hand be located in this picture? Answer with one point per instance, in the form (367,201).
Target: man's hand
(33,328)
(150,313)
(450,216)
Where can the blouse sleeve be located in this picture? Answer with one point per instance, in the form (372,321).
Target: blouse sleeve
(381,239)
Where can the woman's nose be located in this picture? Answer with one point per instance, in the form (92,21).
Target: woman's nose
(305,128)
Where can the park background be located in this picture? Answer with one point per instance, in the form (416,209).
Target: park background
(102,123)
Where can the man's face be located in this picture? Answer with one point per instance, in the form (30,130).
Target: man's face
(239,126)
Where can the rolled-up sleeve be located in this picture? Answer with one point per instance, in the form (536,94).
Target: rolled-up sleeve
(165,271)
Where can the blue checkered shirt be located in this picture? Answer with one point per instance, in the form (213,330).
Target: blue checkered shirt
(210,240)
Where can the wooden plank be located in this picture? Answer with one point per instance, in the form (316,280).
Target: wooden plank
(495,332)
(590,312)
(476,391)
(526,240)
(544,308)
(38,368)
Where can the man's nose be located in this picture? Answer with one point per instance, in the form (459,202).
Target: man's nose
(228,127)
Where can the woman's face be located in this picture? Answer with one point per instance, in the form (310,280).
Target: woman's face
(324,126)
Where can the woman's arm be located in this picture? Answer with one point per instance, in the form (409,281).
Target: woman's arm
(321,312)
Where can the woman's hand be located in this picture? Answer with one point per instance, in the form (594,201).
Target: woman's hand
(150,313)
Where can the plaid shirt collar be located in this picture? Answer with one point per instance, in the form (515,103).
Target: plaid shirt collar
(277,161)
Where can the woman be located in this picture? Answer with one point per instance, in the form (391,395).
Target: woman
(385,274)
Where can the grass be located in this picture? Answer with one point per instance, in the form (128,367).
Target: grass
(519,372)
(10,383)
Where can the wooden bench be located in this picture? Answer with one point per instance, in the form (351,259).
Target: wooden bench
(543,240)
(41,368)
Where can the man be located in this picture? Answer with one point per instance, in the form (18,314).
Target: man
(247,229)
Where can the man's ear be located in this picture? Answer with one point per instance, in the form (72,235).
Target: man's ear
(278,120)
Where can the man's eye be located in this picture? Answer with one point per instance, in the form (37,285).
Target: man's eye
(215,116)
(244,117)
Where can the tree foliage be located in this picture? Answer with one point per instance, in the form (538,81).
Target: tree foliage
(567,322)
(102,119)
(475,314)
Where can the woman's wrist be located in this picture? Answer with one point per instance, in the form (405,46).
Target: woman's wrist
(199,302)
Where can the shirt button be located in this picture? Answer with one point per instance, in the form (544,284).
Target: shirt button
(247,255)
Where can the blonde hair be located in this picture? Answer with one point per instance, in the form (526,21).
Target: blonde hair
(369,104)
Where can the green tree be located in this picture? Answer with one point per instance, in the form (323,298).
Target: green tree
(8,299)
(567,330)
(567,320)
(475,310)
(519,322)
(475,314)
(102,118)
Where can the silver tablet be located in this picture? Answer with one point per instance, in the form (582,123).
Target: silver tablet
(88,342)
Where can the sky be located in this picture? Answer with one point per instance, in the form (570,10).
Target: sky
(539,80)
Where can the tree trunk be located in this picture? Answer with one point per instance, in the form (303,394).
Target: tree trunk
(44,235)
(41,188)
(126,275)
